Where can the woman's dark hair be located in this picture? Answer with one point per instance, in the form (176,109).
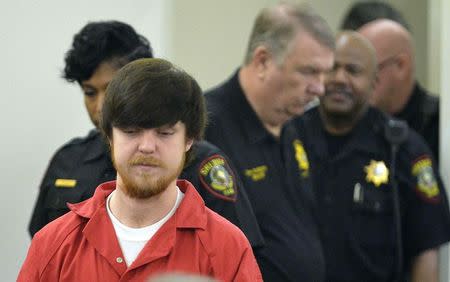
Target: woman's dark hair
(98,42)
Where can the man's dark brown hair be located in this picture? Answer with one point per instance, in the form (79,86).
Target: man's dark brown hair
(150,93)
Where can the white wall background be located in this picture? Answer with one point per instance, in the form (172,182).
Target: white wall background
(209,38)
(441,43)
(39,111)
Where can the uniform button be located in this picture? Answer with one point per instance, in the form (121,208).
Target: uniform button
(119,259)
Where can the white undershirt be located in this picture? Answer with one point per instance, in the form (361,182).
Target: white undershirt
(133,240)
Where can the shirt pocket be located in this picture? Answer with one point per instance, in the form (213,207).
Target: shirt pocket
(371,233)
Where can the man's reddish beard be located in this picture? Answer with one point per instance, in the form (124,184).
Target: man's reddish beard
(147,186)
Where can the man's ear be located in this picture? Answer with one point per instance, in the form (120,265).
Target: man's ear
(261,59)
(189,143)
(404,64)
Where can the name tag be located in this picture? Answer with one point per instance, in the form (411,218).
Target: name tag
(65,183)
(257,173)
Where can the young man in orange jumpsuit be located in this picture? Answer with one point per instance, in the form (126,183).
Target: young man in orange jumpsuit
(146,222)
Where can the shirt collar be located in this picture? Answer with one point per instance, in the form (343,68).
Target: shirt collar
(361,139)
(100,233)
(97,148)
(190,214)
(253,128)
(412,108)
(365,132)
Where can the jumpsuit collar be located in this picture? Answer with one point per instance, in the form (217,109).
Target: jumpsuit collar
(99,231)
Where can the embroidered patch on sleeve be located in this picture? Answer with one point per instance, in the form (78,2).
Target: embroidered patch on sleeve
(218,178)
(427,186)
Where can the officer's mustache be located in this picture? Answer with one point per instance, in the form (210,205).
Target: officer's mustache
(338,88)
(146,160)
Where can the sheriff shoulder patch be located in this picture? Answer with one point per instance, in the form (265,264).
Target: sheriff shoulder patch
(427,186)
(217,176)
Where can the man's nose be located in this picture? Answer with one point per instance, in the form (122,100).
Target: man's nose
(147,141)
(317,87)
(339,75)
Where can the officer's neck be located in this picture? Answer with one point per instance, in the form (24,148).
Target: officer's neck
(338,125)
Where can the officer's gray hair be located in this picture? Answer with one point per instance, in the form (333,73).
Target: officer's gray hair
(277,26)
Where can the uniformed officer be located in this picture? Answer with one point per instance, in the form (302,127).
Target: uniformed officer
(76,169)
(398,92)
(383,215)
(290,50)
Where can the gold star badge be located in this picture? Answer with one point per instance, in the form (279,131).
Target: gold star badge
(377,173)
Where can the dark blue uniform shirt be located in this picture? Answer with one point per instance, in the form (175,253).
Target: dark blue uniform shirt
(83,163)
(355,198)
(277,182)
(422,114)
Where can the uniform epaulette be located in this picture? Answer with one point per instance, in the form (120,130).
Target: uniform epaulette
(381,118)
(430,109)
(80,140)
(204,149)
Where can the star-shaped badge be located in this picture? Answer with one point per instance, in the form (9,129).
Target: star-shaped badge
(377,173)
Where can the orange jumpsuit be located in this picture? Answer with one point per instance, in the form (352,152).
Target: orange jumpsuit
(82,245)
